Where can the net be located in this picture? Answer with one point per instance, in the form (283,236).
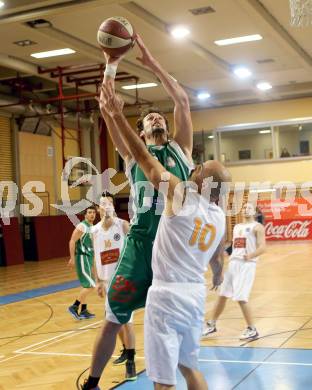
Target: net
(300,12)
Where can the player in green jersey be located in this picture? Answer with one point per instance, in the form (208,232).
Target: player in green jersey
(133,276)
(81,255)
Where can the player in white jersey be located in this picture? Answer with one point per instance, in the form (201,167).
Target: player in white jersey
(189,235)
(108,241)
(248,245)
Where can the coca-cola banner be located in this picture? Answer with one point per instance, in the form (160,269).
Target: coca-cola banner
(287,220)
(288,229)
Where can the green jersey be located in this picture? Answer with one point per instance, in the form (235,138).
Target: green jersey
(147,203)
(84,246)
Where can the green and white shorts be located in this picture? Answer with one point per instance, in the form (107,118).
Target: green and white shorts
(84,265)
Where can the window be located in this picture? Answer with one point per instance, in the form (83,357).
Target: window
(247,144)
(203,146)
(295,140)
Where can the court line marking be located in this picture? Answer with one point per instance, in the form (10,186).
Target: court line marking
(254,362)
(200,360)
(67,354)
(12,357)
(55,339)
(61,337)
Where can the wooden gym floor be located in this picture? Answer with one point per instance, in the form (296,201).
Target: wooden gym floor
(43,347)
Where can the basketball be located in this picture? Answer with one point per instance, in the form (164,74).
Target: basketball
(115,36)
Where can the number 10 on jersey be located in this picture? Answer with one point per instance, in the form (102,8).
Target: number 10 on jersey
(200,233)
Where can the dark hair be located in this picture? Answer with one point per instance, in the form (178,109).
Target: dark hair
(147,111)
(107,195)
(92,207)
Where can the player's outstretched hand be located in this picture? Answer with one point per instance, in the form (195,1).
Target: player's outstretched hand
(113,60)
(216,281)
(146,59)
(100,289)
(71,263)
(113,104)
(106,106)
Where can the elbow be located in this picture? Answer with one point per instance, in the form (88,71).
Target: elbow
(184,99)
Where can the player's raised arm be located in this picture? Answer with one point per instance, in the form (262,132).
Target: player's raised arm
(109,77)
(152,169)
(183,133)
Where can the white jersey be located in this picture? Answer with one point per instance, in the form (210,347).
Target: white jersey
(107,247)
(185,243)
(244,240)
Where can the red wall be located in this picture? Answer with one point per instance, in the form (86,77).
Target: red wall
(52,236)
(12,241)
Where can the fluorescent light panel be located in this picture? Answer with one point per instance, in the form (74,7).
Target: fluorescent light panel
(139,86)
(264,131)
(264,86)
(53,53)
(234,41)
(242,72)
(210,136)
(264,190)
(179,32)
(203,95)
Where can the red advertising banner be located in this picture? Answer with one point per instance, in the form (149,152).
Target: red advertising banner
(288,229)
(287,220)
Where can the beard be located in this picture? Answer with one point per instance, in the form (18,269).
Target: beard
(158,131)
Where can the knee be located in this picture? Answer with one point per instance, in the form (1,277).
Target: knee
(110,328)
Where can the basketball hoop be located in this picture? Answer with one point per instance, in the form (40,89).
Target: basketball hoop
(300,13)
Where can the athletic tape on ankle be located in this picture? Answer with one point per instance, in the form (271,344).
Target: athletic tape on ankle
(110,70)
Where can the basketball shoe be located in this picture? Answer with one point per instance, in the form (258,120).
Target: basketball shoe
(250,333)
(73,310)
(210,328)
(130,371)
(121,359)
(86,315)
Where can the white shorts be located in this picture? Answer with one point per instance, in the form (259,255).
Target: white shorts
(109,315)
(174,317)
(238,280)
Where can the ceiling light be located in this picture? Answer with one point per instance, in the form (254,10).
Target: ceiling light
(264,131)
(233,41)
(242,72)
(25,42)
(179,32)
(299,127)
(53,53)
(139,86)
(210,136)
(203,95)
(264,86)
(2,4)
(263,190)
